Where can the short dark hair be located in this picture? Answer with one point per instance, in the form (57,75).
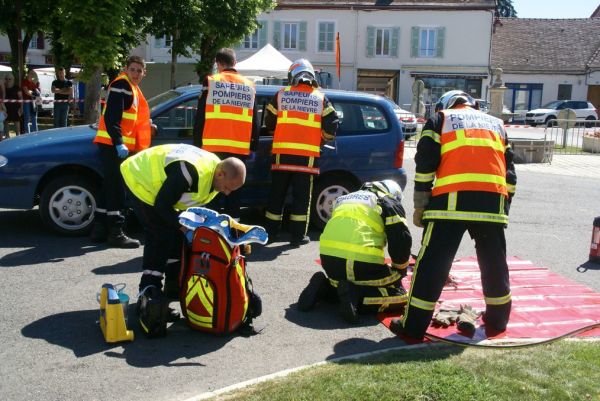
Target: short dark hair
(226,56)
(135,59)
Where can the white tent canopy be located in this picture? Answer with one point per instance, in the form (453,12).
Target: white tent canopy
(4,68)
(267,62)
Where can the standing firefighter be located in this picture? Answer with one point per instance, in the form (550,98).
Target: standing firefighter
(224,120)
(301,117)
(124,128)
(352,252)
(465,180)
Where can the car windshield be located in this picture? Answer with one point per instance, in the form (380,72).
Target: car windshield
(552,105)
(162,98)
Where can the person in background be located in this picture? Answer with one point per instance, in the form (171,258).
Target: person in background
(63,91)
(124,128)
(31,91)
(465,180)
(300,117)
(224,119)
(14,110)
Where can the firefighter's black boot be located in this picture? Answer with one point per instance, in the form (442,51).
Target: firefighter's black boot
(349,300)
(118,239)
(313,293)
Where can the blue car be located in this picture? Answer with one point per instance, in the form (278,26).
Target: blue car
(59,169)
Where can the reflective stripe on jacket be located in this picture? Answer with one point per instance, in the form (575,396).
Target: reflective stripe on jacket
(144,173)
(298,130)
(135,121)
(228,113)
(356,230)
(472,153)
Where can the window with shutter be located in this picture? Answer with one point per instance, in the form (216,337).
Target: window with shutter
(370,41)
(277,34)
(326,37)
(293,35)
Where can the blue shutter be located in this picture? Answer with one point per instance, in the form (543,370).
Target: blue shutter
(262,34)
(302,36)
(277,34)
(440,39)
(370,41)
(414,41)
(395,41)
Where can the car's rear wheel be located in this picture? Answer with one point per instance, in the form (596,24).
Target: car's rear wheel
(67,204)
(550,121)
(327,189)
(589,121)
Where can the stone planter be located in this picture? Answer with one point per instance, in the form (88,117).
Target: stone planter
(532,150)
(591,144)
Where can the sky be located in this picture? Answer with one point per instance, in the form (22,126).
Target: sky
(555,8)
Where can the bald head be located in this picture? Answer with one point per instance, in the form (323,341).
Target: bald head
(229,176)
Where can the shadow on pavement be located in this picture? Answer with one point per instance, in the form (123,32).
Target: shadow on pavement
(349,346)
(130,266)
(325,316)
(79,332)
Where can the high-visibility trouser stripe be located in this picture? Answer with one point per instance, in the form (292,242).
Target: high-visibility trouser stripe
(214,115)
(126,139)
(498,300)
(273,216)
(294,145)
(358,249)
(114,213)
(350,270)
(470,216)
(424,177)
(424,245)
(385,301)
(421,304)
(431,134)
(225,142)
(291,167)
(511,188)
(470,177)
(99,210)
(298,217)
(375,226)
(394,220)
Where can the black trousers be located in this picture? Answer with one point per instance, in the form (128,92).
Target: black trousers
(378,285)
(162,242)
(441,240)
(110,208)
(301,185)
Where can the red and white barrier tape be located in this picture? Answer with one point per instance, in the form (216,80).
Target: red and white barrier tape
(43,100)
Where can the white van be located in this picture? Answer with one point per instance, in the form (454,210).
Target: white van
(45,78)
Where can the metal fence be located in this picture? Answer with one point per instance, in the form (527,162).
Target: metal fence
(565,137)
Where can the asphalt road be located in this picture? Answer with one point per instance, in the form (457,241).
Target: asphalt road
(52,349)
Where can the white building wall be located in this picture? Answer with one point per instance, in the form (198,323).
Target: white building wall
(550,84)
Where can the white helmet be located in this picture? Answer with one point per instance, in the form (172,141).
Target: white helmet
(301,68)
(453,98)
(384,188)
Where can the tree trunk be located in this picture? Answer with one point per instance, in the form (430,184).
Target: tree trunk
(91,105)
(173,65)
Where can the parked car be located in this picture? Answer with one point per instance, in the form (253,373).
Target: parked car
(484,106)
(59,169)
(407,119)
(548,113)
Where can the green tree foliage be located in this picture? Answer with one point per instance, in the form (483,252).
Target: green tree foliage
(224,24)
(505,8)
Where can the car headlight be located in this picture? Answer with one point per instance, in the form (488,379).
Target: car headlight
(3,161)
(539,114)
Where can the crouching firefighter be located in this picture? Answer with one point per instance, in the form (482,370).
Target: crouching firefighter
(162,181)
(352,253)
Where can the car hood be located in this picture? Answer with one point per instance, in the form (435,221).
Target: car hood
(64,138)
(542,111)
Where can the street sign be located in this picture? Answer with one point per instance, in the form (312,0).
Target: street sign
(566,118)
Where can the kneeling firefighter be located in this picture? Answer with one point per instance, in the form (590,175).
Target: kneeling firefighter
(352,253)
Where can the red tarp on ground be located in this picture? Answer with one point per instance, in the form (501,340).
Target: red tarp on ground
(544,304)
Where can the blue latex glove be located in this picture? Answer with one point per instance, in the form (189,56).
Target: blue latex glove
(122,151)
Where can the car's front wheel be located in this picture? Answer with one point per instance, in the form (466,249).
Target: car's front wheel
(550,121)
(326,191)
(590,122)
(67,204)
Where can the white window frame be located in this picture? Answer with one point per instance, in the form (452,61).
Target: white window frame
(428,47)
(318,38)
(33,43)
(251,41)
(293,30)
(163,42)
(379,48)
